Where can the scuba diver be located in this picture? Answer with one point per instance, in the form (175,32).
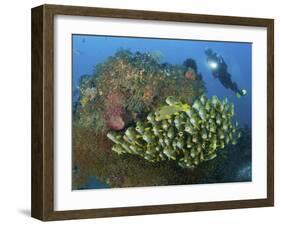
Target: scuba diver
(219,70)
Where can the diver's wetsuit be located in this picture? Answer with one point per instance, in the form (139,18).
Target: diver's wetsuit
(220,72)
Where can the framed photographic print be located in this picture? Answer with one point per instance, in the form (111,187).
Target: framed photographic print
(141,112)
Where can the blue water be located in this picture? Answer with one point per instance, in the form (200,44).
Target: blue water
(88,51)
(94,183)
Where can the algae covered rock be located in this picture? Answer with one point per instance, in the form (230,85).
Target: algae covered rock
(127,86)
(177,131)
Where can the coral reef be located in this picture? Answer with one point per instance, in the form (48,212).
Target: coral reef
(120,94)
(192,71)
(92,155)
(129,85)
(186,134)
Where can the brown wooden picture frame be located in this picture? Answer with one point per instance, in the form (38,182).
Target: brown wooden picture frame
(43,107)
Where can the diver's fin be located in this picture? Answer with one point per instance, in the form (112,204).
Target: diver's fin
(244,92)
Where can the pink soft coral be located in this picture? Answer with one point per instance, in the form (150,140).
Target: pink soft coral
(114,112)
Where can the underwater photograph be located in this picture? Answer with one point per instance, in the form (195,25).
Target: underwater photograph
(159,112)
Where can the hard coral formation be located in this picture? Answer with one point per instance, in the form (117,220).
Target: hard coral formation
(137,82)
(186,134)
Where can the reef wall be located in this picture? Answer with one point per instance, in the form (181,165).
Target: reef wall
(121,92)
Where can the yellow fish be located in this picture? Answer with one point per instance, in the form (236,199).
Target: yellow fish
(166,112)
